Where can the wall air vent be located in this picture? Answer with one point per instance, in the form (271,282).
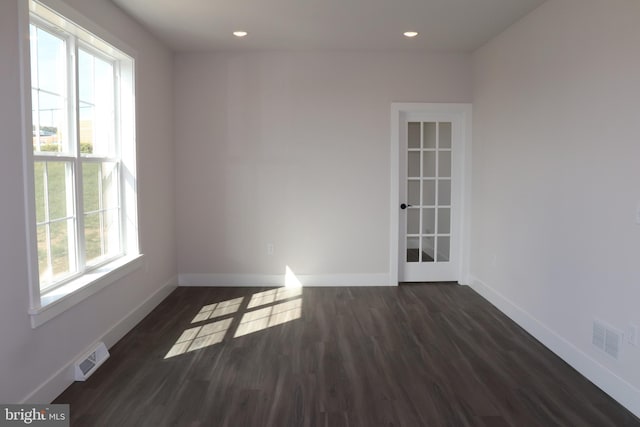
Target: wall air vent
(87,364)
(607,339)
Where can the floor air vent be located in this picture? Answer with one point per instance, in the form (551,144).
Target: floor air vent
(87,365)
(607,338)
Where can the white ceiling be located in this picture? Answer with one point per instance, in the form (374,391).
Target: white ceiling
(444,25)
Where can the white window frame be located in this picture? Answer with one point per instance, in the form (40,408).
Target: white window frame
(63,295)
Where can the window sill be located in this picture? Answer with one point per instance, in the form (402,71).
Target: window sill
(63,298)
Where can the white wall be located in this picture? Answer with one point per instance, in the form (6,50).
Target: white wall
(30,358)
(292,148)
(556,180)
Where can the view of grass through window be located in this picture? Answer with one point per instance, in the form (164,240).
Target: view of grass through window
(56,222)
(51,211)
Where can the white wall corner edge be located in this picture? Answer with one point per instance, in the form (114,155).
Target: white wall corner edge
(618,388)
(260,280)
(64,377)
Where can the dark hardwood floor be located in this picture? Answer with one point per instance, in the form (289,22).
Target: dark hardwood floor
(416,355)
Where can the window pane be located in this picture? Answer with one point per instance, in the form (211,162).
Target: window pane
(428,192)
(87,113)
(413,221)
(428,221)
(48,70)
(444,192)
(413,193)
(56,236)
(444,221)
(51,53)
(429,135)
(43,253)
(413,137)
(61,243)
(85,84)
(97,105)
(413,249)
(102,210)
(445,135)
(110,190)
(91,186)
(86,99)
(444,164)
(104,81)
(429,165)
(111,232)
(413,164)
(59,190)
(100,186)
(428,249)
(51,119)
(443,249)
(38,179)
(92,237)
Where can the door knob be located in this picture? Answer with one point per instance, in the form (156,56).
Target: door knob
(403,206)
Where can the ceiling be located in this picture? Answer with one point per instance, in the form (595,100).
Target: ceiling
(444,25)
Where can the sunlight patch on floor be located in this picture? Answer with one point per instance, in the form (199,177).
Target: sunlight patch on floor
(273,295)
(264,310)
(200,337)
(218,309)
(268,317)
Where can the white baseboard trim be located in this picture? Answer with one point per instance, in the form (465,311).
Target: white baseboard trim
(618,388)
(257,280)
(64,377)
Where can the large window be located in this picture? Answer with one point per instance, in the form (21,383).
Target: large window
(83,154)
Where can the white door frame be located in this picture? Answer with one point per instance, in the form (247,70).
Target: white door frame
(397,110)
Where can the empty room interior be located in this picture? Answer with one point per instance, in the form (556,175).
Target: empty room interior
(321,213)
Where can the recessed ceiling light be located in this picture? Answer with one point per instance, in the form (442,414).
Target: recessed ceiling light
(240,33)
(410,34)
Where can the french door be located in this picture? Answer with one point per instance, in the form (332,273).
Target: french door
(431,151)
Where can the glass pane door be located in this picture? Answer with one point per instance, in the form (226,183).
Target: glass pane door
(428,224)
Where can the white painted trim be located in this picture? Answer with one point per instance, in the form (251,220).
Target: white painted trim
(135,316)
(394,196)
(258,280)
(64,377)
(619,389)
(27,155)
(465,202)
(397,109)
(63,298)
(60,7)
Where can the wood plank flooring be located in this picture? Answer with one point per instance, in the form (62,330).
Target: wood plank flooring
(416,355)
